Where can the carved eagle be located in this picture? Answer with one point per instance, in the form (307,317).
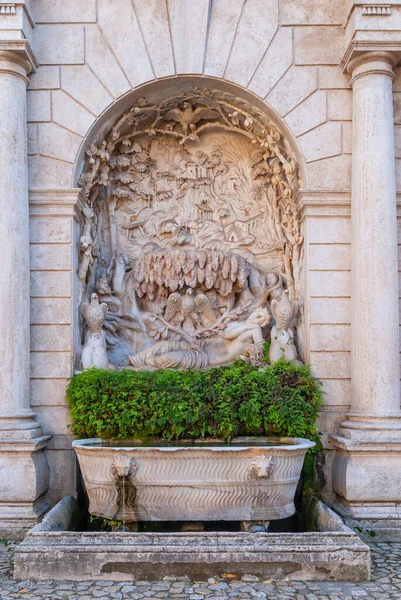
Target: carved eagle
(94,314)
(284,311)
(187,116)
(188,311)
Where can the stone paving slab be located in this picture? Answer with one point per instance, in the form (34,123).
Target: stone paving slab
(384,585)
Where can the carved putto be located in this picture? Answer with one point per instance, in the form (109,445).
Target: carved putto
(190,236)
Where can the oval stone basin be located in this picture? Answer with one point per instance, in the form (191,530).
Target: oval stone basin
(247,479)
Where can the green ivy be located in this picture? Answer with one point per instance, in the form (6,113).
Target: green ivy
(237,400)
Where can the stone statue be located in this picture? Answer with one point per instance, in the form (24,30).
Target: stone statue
(282,335)
(94,353)
(238,340)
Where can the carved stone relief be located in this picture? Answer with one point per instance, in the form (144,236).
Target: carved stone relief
(190,235)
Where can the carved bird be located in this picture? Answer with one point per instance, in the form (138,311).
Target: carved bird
(284,311)
(189,311)
(187,117)
(94,314)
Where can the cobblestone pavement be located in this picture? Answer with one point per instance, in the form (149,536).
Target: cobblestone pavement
(385,584)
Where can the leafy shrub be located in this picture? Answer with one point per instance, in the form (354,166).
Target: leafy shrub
(224,402)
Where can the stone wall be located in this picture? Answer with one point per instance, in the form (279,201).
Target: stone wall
(285,52)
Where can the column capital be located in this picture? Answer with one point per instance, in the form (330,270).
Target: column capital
(374,62)
(17,58)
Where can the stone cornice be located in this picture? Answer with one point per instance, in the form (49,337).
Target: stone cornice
(55,202)
(20,51)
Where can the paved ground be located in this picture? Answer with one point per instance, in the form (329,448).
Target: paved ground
(385,585)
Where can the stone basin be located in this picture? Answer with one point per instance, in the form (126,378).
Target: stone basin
(247,479)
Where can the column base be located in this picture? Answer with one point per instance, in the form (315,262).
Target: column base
(24,481)
(365,477)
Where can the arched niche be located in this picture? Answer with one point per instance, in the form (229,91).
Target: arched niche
(190,233)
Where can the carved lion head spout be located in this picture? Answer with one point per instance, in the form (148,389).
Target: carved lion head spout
(123,466)
(189,232)
(262,467)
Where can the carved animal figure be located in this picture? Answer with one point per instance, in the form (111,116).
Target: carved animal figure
(187,117)
(189,311)
(282,336)
(94,353)
(94,314)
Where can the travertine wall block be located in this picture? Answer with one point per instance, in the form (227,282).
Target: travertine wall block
(85,87)
(339,105)
(337,391)
(59,44)
(32,138)
(38,105)
(64,11)
(322,142)
(295,85)
(49,230)
(50,257)
(119,24)
(346,127)
(49,311)
(224,18)
(333,230)
(70,114)
(330,283)
(51,364)
(333,78)
(45,78)
(309,114)
(51,284)
(318,45)
(51,338)
(329,310)
(256,27)
(57,142)
(330,173)
(154,22)
(48,392)
(56,419)
(102,61)
(312,12)
(275,62)
(327,338)
(331,365)
(49,173)
(334,257)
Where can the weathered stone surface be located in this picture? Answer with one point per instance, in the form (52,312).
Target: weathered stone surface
(154,21)
(329,365)
(101,60)
(50,364)
(336,257)
(47,172)
(330,173)
(48,311)
(330,283)
(179,483)
(318,45)
(80,83)
(50,257)
(57,142)
(48,392)
(223,23)
(188,24)
(60,44)
(38,105)
(331,337)
(333,78)
(129,47)
(275,62)
(51,338)
(335,230)
(70,114)
(292,89)
(339,105)
(337,553)
(322,142)
(330,310)
(256,27)
(309,114)
(64,11)
(45,284)
(312,12)
(45,78)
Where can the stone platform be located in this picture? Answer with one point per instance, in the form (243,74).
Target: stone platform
(50,551)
